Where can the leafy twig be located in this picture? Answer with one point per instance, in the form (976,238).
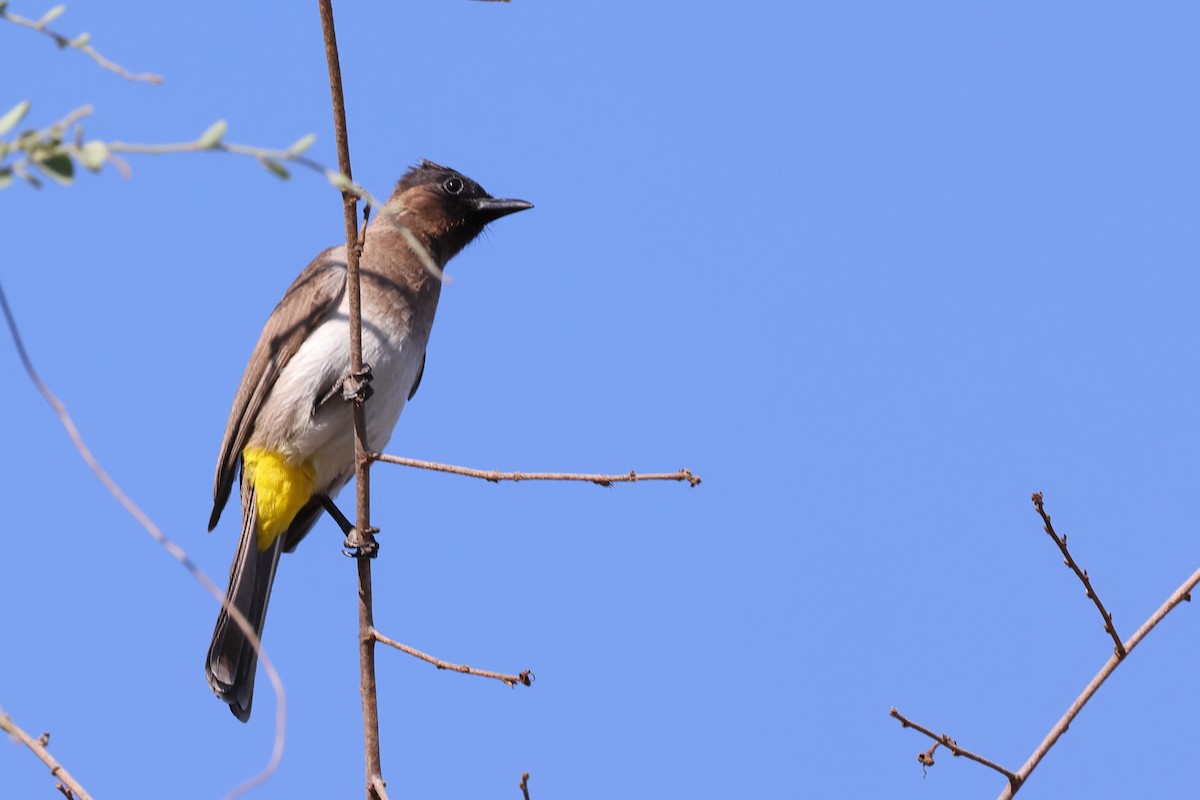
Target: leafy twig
(55,149)
(80,42)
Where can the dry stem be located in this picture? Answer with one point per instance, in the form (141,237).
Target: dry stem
(360,539)
(945,741)
(525,678)
(494,476)
(167,544)
(1120,652)
(68,785)
(1184,592)
(1082,573)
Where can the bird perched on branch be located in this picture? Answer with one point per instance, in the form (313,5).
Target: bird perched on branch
(291,429)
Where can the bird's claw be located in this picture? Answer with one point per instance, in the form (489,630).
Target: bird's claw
(356,386)
(360,546)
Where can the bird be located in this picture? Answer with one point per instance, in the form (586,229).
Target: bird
(290,435)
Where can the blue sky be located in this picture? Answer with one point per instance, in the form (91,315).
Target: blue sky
(875,271)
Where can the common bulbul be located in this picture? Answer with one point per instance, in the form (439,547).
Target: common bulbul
(290,432)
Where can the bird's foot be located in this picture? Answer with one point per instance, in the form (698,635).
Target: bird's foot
(356,386)
(359,546)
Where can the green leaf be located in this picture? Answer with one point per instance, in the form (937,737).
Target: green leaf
(275,167)
(93,155)
(58,167)
(6,177)
(51,15)
(213,136)
(13,116)
(302,144)
(26,139)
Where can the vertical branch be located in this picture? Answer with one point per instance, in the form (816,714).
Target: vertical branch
(360,540)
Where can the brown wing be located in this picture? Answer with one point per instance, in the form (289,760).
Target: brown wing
(313,295)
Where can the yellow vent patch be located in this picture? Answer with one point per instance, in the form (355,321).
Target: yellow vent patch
(281,490)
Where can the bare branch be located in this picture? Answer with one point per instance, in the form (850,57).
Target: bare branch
(525,678)
(360,539)
(1082,573)
(524,776)
(1018,779)
(945,741)
(167,544)
(494,476)
(79,43)
(1183,593)
(67,783)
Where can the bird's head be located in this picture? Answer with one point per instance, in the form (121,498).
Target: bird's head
(446,209)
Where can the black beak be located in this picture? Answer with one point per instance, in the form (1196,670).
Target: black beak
(494,208)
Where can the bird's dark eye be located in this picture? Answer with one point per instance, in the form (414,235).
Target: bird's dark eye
(453,185)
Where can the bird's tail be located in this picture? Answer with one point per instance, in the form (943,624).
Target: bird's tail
(232,659)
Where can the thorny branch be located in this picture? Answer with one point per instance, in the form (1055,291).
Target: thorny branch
(494,476)
(525,678)
(1069,560)
(945,741)
(67,784)
(79,43)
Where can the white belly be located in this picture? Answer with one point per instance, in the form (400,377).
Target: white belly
(291,421)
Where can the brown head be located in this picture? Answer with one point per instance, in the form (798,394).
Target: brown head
(446,209)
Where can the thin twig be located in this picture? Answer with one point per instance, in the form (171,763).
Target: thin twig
(1082,573)
(67,782)
(361,539)
(945,741)
(59,128)
(342,182)
(167,544)
(1183,593)
(524,776)
(493,476)
(80,43)
(525,678)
